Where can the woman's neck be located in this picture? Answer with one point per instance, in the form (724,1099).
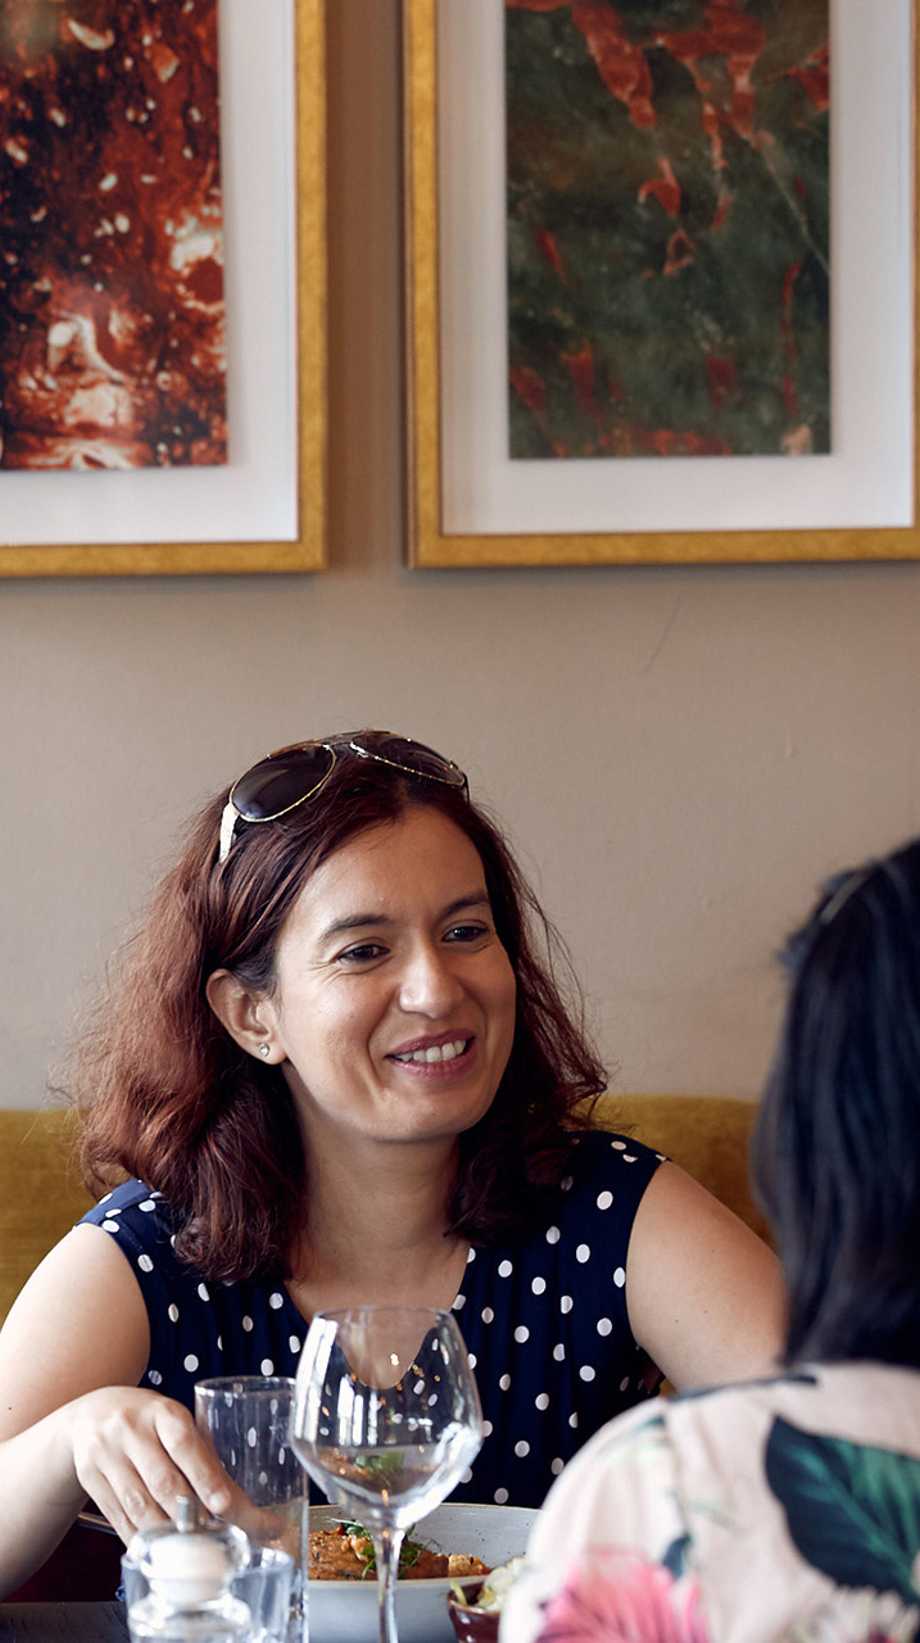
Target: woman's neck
(376,1218)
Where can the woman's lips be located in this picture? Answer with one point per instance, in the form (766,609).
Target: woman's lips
(445,1059)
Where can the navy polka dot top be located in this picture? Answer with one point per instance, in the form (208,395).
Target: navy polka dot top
(544,1321)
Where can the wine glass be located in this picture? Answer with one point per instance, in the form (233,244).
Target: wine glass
(386,1419)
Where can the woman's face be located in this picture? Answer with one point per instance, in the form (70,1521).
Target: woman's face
(395,1000)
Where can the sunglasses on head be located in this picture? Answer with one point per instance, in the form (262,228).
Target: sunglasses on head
(283,780)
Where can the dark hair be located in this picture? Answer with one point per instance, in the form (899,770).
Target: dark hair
(167,1095)
(836,1149)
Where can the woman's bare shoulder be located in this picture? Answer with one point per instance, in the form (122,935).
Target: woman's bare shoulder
(80,1322)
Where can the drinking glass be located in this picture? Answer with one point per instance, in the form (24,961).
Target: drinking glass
(247,1418)
(386,1420)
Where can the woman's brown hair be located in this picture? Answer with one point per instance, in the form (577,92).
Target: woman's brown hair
(166,1094)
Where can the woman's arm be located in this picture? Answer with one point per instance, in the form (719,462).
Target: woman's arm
(704,1295)
(72,1419)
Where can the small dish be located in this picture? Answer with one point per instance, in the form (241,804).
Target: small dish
(473,1625)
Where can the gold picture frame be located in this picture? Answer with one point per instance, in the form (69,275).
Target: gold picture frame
(429,544)
(308,551)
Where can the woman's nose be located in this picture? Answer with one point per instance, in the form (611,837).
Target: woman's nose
(429,985)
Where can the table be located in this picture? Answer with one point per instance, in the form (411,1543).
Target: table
(62,1623)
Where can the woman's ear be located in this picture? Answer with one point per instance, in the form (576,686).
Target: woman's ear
(247,1017)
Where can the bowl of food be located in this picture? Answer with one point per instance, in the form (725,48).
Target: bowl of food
(343,1579)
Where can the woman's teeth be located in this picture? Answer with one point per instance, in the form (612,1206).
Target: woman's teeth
(437,1052)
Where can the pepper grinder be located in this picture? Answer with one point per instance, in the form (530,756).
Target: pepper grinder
(189,1566)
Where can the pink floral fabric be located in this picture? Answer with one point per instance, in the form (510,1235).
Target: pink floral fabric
(618,1598)
(780,1511)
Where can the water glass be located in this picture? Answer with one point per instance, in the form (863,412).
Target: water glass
(247,1419)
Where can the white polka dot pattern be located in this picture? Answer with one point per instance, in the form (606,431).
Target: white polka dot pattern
(544,1319)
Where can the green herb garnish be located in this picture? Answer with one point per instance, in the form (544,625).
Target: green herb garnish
(410,1551)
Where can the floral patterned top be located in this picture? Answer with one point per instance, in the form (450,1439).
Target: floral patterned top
(780,1511)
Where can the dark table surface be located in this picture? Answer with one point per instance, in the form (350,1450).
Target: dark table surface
(62,1623)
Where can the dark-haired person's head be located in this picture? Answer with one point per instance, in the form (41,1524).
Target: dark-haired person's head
(170,1095)
(836,1150)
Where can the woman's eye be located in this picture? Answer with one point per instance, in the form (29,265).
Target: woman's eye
(467,932)
(364,953)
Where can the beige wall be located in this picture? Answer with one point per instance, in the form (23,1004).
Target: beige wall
(679,754)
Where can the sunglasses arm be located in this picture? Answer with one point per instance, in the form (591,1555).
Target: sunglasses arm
(228,822)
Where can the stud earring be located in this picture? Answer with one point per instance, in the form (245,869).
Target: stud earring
(264,1049)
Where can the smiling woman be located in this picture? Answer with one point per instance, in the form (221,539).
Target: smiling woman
(337,1068)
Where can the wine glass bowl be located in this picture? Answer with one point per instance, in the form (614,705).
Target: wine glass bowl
(386,1420)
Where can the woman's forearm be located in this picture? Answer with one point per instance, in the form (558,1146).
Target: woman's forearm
(40,1496)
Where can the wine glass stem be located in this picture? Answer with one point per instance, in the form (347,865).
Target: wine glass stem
(387,1545)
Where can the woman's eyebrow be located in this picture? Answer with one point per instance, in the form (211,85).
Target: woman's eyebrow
(354,921)
(478,898)
(373,921)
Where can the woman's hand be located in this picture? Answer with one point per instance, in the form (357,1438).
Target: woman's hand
(135,1452)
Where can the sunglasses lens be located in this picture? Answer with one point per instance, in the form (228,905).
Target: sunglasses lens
(416,756)
(275,784)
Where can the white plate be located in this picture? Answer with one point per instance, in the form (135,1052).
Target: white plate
(345,1611)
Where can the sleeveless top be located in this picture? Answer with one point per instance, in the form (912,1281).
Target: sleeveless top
(544,1320)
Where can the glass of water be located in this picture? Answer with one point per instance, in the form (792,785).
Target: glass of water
(386,1420)
(248,1419)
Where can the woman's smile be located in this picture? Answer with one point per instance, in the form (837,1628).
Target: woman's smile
(444,1056)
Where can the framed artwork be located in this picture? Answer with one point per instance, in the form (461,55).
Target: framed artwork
(162,287)
(661,281)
